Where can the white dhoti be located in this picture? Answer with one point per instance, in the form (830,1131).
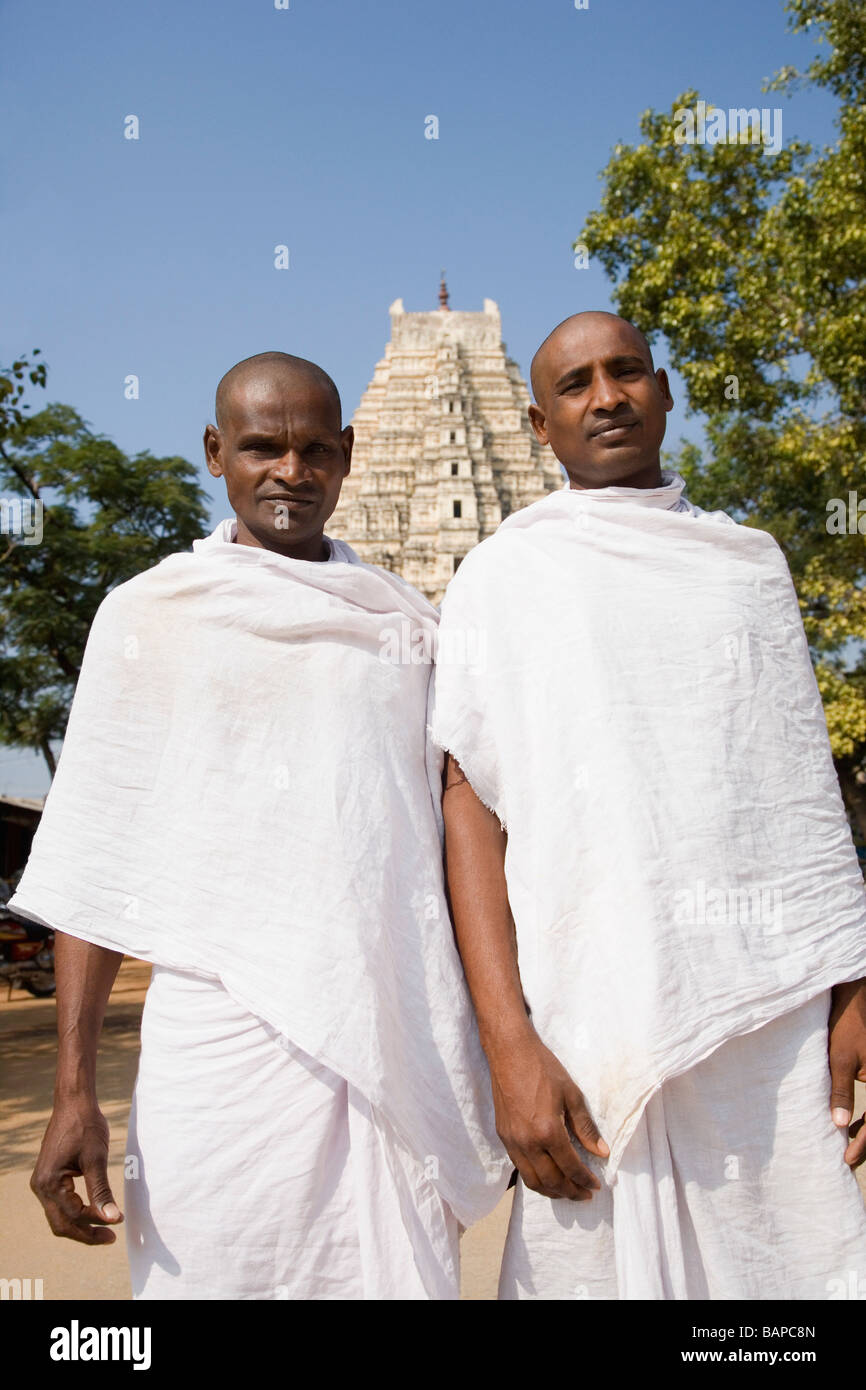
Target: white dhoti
(255,1172)
(732,1186)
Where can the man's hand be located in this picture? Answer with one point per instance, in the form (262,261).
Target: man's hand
(76,1145)
(538,1109)
(847,1038)
(76,1140)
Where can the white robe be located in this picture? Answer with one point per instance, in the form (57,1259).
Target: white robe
(626,682)
(247,793)
(733,1186)
(254,1172)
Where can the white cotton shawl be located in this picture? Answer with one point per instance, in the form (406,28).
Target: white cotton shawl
(625,680)
(247,791)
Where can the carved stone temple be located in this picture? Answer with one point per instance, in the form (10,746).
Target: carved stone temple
(443,446)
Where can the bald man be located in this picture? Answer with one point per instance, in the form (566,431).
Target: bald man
(247,799)
(656,897)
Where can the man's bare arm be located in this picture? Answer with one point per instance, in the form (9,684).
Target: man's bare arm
(76,1140)
(537,1104)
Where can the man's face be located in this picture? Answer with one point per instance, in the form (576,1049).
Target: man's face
(601,406)
(283,455)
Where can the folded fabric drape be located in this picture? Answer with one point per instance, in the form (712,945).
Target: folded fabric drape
(262,1174)
(247,791)
(625,680)
(733,1187)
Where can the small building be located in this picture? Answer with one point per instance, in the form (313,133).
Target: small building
(19,817)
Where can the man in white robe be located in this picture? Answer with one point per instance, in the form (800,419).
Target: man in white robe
(655,893)
(247,798)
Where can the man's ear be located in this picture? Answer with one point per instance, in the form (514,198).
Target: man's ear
(536,419)
(664,387)
(347,439)
(212,449)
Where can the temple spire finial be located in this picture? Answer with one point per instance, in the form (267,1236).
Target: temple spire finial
(443,293)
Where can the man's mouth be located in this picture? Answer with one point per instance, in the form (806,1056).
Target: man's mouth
(286,500)
(620,424)
(615,432)
(610,431)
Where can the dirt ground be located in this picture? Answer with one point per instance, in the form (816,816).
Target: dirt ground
(27,1247)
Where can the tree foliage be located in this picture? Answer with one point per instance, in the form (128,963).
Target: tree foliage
(752,266)
(105,517)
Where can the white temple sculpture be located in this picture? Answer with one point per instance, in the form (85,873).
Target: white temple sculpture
(443,446)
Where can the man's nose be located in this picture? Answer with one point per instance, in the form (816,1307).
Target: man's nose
(607,392)
(291,468)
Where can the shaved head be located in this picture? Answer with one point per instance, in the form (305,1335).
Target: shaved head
(265,370)
(600,403)
(280,445)
(567,332)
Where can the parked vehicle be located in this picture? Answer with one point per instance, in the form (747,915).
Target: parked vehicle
(26,955)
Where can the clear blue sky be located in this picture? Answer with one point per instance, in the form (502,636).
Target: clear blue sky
(305,127)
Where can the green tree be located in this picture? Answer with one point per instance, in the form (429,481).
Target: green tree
(753,268)
(104,518)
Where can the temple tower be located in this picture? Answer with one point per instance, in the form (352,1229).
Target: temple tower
(443,446)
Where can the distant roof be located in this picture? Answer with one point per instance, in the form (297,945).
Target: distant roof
(23,803)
